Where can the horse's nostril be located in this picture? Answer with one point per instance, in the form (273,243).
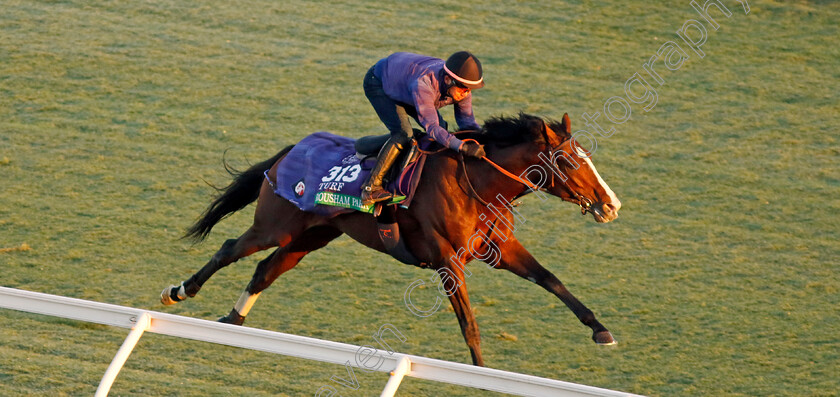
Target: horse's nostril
(610,208)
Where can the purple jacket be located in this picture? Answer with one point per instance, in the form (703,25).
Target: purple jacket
(418,80)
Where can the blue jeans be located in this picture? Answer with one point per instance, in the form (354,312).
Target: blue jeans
(392,113)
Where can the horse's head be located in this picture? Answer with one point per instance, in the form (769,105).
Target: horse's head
(552,162)
(581,183)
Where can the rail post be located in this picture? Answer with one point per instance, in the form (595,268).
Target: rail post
(144,321)
(397,375)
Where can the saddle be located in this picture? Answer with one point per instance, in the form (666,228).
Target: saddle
(324,173)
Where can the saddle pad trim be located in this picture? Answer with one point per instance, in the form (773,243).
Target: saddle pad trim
(347,201)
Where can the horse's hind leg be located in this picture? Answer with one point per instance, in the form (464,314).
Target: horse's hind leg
(276,223)
(247,299)
(279,262)
(231,251)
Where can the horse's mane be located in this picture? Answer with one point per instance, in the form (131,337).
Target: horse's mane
(508,130)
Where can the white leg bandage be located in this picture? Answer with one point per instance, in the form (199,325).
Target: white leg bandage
(245,303)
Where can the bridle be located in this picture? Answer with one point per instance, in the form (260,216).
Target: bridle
(584,203)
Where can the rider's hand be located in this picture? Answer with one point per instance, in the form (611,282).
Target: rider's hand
(472,149)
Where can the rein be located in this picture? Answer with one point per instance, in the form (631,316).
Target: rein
(511,175)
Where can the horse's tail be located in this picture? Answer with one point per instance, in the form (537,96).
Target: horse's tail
(244,190)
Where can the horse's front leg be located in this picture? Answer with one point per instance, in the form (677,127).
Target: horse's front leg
(517,259)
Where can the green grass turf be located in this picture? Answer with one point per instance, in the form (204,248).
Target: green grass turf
(719,277)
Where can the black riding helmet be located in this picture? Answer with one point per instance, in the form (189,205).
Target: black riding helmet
(465,68)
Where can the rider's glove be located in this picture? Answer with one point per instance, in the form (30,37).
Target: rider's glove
(472,149)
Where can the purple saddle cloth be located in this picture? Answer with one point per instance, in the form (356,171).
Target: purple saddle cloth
(322,174)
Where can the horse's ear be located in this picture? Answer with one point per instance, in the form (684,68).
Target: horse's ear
(551,136)
(566,124)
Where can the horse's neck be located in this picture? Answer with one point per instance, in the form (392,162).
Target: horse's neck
(481,179)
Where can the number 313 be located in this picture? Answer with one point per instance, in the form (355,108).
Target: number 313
(343,174)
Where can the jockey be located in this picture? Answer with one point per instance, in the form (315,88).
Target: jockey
(405,84)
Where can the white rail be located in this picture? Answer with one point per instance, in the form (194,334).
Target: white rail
(286,344)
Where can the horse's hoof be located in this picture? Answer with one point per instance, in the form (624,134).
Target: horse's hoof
(604,338)
(232,318)
(169,295)
(165,298)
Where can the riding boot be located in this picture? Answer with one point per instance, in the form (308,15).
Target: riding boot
(373,192)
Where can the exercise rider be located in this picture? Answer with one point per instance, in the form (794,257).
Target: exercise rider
(405,84)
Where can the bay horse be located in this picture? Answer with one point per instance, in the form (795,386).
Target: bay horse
(448,209)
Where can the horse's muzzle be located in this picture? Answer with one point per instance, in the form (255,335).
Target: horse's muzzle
(605,212)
